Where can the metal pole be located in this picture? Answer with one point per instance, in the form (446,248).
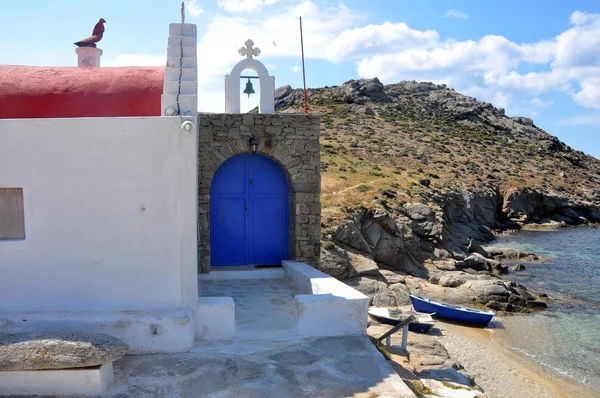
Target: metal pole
(303,70)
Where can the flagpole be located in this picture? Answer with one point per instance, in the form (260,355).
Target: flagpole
(303,70)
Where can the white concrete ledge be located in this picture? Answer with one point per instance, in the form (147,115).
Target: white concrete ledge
(328,307)
(78,381)
(214,318)
(145,332)
(257,273)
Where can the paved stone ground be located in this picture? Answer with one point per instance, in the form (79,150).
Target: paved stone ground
(263,307)
(326,367)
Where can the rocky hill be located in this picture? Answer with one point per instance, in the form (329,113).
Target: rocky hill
(416,175)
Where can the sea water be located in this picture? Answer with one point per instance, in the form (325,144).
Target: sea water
(566,336)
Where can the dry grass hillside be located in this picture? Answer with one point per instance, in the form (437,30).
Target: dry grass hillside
(409,142)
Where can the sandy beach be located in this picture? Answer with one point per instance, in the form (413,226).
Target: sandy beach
(503,372)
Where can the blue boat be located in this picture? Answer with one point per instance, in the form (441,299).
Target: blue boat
(447,311)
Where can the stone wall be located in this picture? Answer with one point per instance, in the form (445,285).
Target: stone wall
(291,140)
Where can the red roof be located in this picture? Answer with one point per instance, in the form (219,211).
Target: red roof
(55,92)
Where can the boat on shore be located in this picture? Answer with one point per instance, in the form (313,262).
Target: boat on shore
(423,324)
(452,312)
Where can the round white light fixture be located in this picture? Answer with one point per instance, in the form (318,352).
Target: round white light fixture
(187,127)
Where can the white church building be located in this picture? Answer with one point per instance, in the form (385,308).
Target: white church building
(102,213)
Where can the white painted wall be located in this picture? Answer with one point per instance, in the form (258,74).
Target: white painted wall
(110,214)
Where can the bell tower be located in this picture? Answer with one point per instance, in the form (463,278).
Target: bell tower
(266,103)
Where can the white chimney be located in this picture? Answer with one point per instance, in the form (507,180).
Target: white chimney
(88,57)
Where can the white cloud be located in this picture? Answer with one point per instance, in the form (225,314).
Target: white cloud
(295,69)
(372,39)
(488,67)
(538,103)
(244,5)
(580,18)
(455,14)
(193,8)
(581,120)
(589,95)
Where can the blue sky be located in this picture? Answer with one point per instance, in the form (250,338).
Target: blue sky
(539,59)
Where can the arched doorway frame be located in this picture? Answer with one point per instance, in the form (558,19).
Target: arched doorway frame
(250,198)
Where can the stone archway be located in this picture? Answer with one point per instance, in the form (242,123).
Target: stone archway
(266,82)
(292,142)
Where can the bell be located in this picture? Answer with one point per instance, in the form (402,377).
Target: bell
(249,89)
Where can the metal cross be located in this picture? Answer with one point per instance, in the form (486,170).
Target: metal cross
(248,51)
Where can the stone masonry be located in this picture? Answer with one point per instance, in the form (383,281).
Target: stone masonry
(291,140)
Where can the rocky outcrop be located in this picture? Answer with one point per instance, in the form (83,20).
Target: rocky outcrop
(417,249)
(58,350)
(528,205)
(400,243)
(469,216)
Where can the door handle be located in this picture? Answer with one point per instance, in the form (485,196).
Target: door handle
(246,206)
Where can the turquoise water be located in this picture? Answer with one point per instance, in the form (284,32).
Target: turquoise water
(566,337)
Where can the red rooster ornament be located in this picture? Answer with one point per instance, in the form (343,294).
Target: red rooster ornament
(95,37)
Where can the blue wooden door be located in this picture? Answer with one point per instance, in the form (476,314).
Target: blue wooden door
(249,212)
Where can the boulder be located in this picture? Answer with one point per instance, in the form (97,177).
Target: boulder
(392,277)
(363,91)
(379,293)
(536,305)
(343,264)
(418,211)
(450,281)
(500,269)
(488,290)
(362,265)
(334,262)
(282,92)
(58,350)
(445,265)
(475,247)
(348,234)
(519,267)
(479,263)
(511,254)
(367,110)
